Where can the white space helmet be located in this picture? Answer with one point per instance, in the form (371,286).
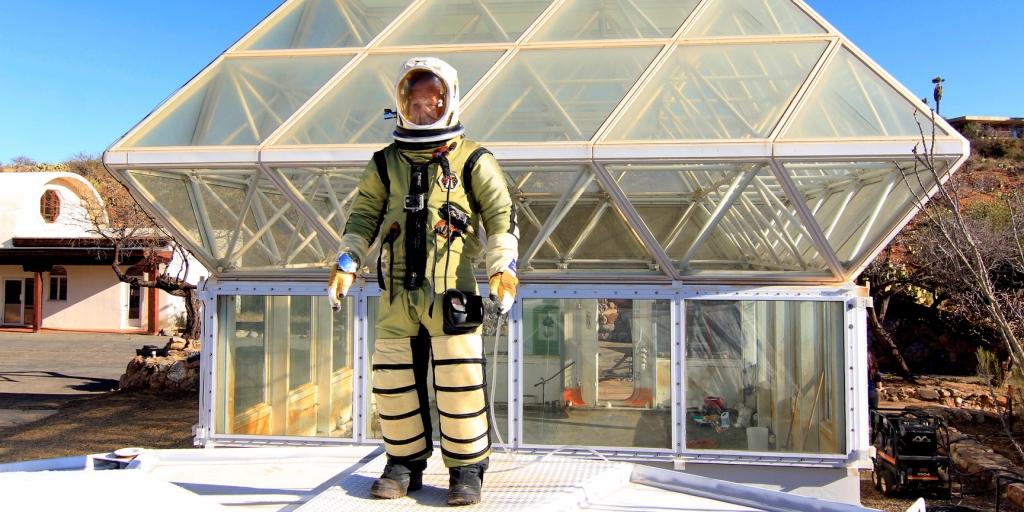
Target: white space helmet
(427,94)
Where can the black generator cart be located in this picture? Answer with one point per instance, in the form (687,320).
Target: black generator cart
(907,454)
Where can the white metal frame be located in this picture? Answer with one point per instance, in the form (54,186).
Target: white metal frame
(854,356)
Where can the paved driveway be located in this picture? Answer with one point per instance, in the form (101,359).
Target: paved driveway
(44,370)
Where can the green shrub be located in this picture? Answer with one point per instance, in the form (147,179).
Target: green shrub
(998,148)
(971,131)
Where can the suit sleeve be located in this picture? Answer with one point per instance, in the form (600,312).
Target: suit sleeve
(364,222)
(497,214)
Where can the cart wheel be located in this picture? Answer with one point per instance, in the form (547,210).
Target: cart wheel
(888,484)
(876,478)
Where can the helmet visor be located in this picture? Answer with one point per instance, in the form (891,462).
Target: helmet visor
(421,97)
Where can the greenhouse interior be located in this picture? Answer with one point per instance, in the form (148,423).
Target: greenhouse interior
(699,183)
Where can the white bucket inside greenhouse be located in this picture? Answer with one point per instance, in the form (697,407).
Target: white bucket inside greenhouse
(757,439)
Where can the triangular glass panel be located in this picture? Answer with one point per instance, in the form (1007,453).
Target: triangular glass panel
(350,113)
(325,24)
(173,198)
(248,224)
(294,239)
(568,221)
(224,196)
(467,22)
(851,100)
(859,204)
(329,191)
(239,102)
(718,92)
(552,95)
(720,217)
(605,19)
(725,18)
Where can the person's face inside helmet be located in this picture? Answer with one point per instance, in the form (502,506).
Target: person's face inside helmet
(425,103)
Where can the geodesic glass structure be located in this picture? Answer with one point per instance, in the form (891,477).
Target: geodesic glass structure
(715,171)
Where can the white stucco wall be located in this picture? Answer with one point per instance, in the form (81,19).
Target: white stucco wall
(20,195)
(96,300)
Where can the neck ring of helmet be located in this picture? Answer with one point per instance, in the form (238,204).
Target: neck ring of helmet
(417,136)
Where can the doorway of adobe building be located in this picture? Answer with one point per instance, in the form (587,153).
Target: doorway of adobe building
(13,302)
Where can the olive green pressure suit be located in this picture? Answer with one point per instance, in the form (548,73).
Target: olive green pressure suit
(409,324)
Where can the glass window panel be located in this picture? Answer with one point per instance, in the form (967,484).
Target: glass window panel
(284,367)
(243,405)
(568,221)
(771,366)
(597,369)
(273,234)
(857,204)
(292,236)
(753,18)
(300,347)
(497,375)
(850,100)
(270,234)
(330,191)
(223,196)
(606,19)
(467,22)
(325,24)
(240,102)
(549,95)
(351,112)
(171,194)
(758,231)
(342,370)
(718,92)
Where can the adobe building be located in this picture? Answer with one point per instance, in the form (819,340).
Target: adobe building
(699,182)
(56,273)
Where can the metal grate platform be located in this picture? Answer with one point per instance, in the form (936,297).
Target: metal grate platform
(555,483)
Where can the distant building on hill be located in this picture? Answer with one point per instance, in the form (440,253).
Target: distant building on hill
(1009,127)
(56,274)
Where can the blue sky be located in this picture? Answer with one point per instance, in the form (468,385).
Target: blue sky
(75,75)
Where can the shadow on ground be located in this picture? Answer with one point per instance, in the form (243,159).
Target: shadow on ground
(103,423)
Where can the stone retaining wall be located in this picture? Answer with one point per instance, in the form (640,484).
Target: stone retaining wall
(178,370)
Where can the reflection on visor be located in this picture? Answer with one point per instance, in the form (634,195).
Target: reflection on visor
(421,97)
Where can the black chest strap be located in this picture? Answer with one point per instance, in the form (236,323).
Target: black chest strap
(382,171)
(467,174)
(381,162)
(416,225)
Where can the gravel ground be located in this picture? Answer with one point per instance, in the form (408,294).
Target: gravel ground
(104,423)
(871,498)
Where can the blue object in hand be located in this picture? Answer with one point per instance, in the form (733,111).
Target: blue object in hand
(346,263)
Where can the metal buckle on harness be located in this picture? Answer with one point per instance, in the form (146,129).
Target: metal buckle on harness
(413,203)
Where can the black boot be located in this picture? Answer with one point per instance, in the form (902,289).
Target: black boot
(464,483)
(399,478)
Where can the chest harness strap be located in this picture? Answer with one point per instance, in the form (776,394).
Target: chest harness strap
(415,206)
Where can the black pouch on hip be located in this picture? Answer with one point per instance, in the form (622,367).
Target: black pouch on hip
(463,312)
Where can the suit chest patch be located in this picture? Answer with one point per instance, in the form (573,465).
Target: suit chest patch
(450,182)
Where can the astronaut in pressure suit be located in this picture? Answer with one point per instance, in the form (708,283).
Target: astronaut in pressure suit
(423,195)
